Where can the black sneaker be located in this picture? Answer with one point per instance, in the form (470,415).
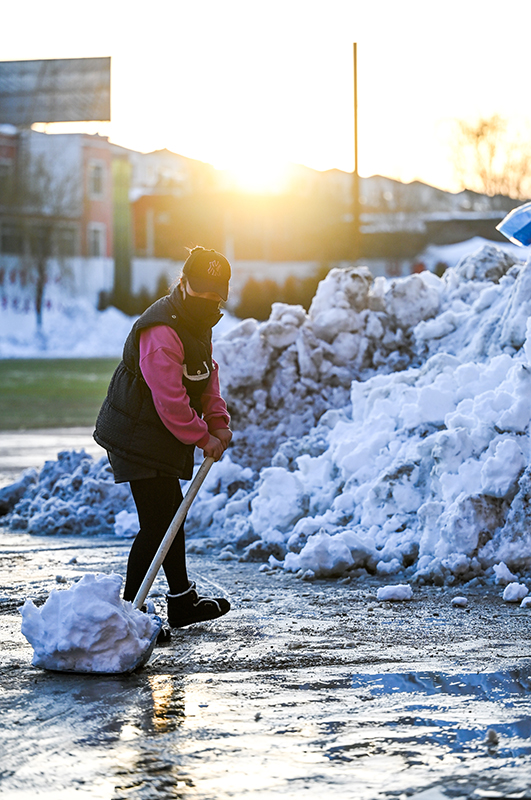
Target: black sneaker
(188,607)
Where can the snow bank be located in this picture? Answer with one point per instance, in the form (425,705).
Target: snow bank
(281,375)
(77,495)
(77,330)
(74,329)
(87,628)
(427,470)
(385,431)
(73,495)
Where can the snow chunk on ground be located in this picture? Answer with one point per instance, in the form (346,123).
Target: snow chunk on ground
(460,602)
(402,591)
(126,524)
(87,628)
(503,574)
(514,592)
(323,555)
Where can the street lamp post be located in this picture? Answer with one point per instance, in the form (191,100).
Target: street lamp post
(356,249)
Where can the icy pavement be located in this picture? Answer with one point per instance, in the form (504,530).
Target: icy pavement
(314,689)
(326,692)
(20,450)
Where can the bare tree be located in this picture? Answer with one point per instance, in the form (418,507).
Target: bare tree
(41,201)
(491,159)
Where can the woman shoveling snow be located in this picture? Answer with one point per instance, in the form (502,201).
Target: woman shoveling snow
(163,401)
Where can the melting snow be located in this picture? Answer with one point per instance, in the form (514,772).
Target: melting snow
(401,591)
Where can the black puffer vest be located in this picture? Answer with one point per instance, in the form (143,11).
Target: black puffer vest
(128,424)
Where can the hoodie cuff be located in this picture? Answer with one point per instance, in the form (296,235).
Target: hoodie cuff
(217,423)
(203,441)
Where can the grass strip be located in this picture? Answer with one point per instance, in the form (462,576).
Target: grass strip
(52,393)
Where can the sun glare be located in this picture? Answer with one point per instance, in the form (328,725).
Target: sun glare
(258,177)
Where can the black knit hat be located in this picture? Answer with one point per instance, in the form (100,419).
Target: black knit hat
(207,271)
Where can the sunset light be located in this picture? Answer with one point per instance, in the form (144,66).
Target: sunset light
(265,400)
(253,87)
(259,175)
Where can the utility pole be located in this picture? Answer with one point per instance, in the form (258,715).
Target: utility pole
(122,234)
(356,240)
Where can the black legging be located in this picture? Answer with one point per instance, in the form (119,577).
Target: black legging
(156,500)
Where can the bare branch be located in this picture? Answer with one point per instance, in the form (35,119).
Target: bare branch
(490,159)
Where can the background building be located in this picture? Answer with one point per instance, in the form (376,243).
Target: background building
(115,224)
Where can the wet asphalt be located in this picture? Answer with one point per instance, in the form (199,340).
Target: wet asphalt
(305,689)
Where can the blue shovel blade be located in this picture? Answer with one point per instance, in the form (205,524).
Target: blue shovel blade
(516,226)
(139,662)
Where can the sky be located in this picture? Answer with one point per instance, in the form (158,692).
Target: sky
(250,85)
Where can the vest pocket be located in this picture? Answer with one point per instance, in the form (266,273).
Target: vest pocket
(198,375)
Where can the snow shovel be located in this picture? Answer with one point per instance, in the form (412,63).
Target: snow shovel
(161,553)
(171,533)
(151,574)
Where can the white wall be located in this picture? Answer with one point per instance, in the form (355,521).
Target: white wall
(87,277)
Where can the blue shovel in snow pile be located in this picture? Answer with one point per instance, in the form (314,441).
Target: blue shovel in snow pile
(516,226)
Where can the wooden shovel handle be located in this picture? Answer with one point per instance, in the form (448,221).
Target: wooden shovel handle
(170,534)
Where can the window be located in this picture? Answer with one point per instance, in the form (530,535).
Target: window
(11,239)
(96,180)
(96,239)
(40,240)
(6,177)
(66,242)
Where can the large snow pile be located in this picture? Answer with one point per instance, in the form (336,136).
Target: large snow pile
(427,470)
(400,413)
(87,628)
(280,376)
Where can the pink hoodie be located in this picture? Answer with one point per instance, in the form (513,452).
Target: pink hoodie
(161,362)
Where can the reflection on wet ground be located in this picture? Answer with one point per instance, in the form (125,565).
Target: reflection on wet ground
(340,735)
(310,690)
(20,450)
